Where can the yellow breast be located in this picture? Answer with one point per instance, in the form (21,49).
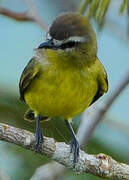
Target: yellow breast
(62,94)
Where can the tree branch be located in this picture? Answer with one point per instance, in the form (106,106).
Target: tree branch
(14,15)
(30,15)
(100,165)
(49,171)
(34,14)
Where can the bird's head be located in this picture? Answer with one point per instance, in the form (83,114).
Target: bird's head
(71,33)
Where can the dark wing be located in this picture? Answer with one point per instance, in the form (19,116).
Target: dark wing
(102,84)
(29,73)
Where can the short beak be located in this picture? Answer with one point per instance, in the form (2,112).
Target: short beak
(47,44)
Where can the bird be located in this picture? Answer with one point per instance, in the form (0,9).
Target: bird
(64,77)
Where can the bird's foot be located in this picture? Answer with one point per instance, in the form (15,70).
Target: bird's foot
(74,147)
(39,140)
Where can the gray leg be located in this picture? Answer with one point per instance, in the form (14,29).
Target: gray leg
(74,143)
(38,135)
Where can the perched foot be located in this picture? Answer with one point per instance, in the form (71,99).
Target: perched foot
(39,139)
(38,135)
(74,147)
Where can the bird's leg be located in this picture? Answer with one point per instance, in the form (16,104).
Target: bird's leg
(38,135)
(74,143)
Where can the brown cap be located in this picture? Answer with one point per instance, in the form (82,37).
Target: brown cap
(70,24)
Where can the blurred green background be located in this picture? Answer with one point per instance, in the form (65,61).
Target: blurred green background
(17,41)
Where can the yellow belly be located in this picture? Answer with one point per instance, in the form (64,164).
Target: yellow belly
(64,94)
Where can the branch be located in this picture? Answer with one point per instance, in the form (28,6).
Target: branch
(30,15)
(49,171)
(33,12)
(100,165)
(14,15)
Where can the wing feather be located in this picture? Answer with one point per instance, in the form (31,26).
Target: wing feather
(102,83)
(29,73)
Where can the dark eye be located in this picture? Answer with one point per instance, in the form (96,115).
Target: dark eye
(69,44)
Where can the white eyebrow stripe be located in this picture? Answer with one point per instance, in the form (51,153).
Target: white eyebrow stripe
(73,38)
(76,39)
